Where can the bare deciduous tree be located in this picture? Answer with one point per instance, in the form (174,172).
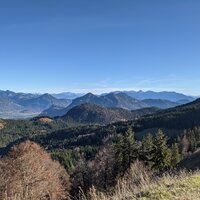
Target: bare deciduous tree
(29,173)
(103,173)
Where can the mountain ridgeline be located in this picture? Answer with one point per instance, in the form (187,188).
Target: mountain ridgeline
(113,100)
(110,100)
(26,105)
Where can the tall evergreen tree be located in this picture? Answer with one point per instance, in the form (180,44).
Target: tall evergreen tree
(161,154)
(126,152)
(146,148)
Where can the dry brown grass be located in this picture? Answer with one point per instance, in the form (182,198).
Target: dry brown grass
(140,184)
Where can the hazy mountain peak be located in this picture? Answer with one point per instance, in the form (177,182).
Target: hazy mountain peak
(89,94)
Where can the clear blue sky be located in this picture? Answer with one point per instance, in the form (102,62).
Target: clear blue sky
(100,45)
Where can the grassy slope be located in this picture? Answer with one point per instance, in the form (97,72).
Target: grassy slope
(178,188)
(140,185)
(169,188)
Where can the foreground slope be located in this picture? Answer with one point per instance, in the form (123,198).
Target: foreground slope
(170,188)
(184,186)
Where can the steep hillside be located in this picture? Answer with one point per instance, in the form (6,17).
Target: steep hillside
(181,117)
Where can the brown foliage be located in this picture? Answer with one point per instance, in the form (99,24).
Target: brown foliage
(29,173)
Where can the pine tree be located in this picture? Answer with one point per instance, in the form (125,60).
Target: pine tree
(147,147)
(161,154)
(126,152)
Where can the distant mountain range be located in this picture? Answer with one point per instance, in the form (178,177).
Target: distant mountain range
(112,100)
(26,105)
(21,105)
(43,102)
(170,96)
(140,95)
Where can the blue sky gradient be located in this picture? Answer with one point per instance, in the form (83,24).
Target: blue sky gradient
(100,45)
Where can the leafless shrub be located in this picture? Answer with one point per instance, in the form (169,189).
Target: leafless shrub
(29,173)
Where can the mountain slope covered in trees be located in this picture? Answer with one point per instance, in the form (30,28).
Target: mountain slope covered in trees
(181,117)
(91,113)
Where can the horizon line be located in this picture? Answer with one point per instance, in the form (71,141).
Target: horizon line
(98,91)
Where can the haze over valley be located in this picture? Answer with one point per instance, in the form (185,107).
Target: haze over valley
(27,105)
